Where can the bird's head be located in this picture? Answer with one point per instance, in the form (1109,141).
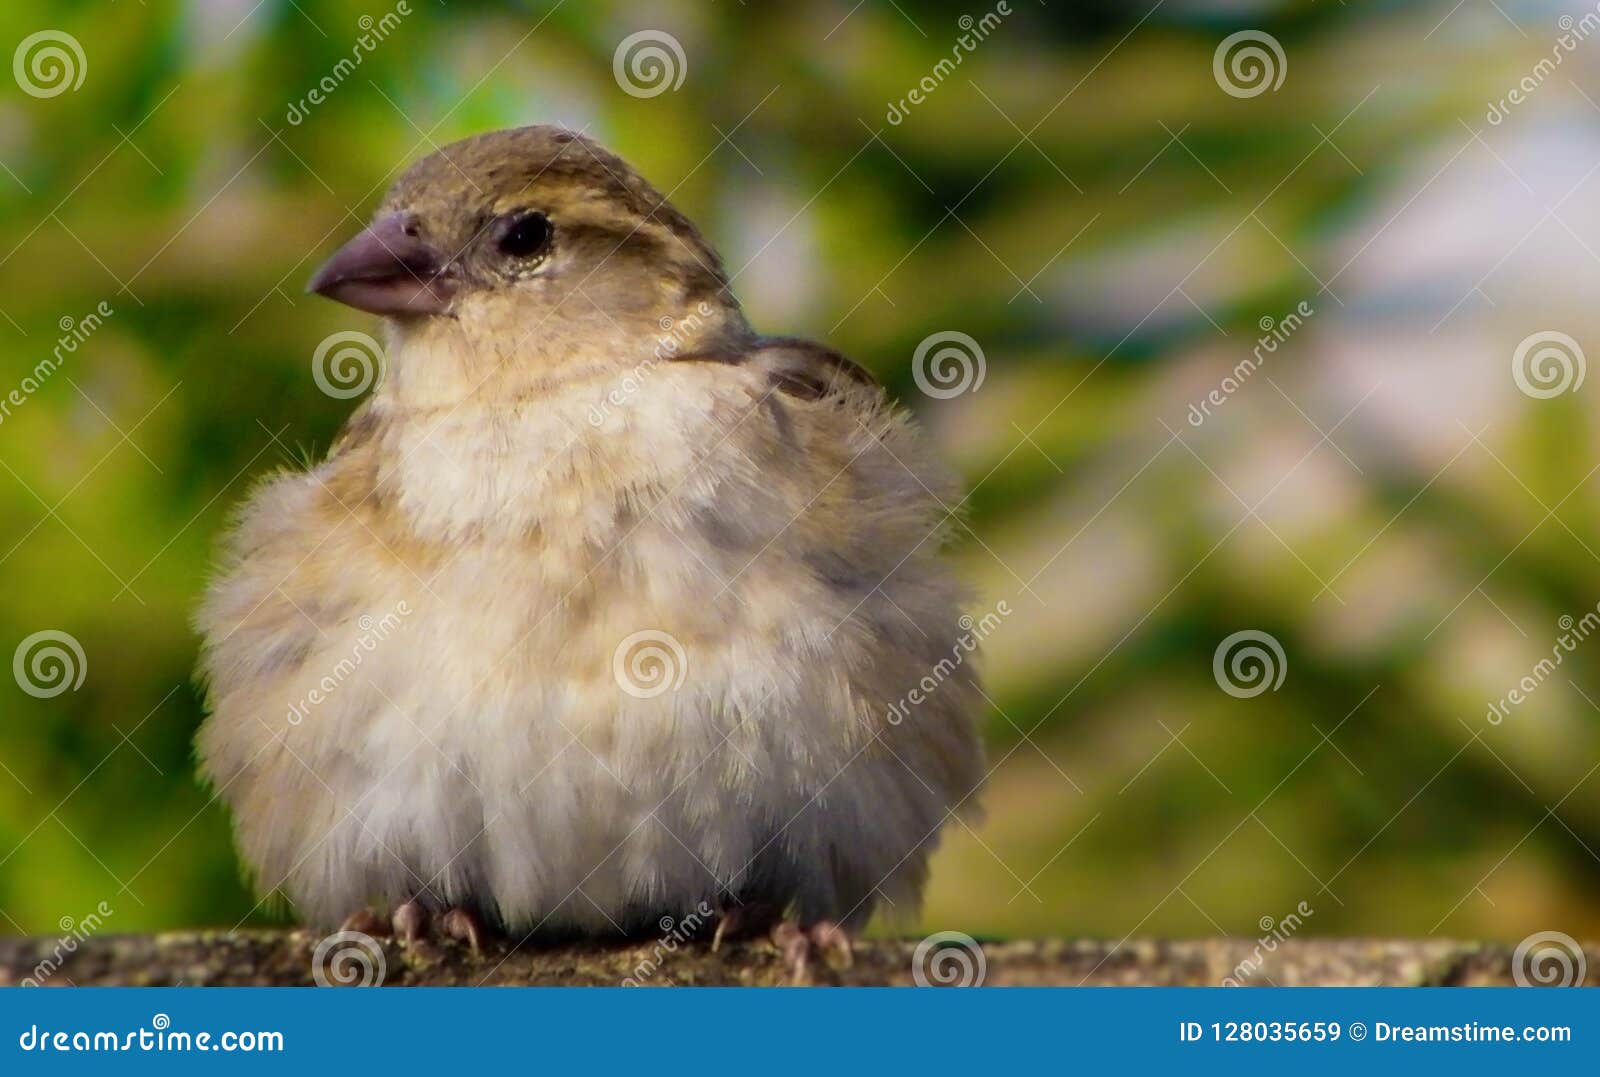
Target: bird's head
(535,234)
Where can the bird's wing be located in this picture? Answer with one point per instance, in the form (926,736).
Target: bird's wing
(810,371)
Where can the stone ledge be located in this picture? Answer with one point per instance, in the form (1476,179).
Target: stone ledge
(285,958)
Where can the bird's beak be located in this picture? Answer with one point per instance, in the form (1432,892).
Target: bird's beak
(387,270)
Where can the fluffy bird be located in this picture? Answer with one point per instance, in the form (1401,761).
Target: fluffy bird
(602,607)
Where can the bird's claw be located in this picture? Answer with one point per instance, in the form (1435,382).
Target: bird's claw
(410,920)
(367,922)
(464,926)
(831,941)
(411,923)
(798,946)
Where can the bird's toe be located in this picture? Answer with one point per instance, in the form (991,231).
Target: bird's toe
(832,943)
(802,947)
(367,922)
(410,920)
(463,925)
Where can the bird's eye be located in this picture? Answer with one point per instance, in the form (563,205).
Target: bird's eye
(526,235)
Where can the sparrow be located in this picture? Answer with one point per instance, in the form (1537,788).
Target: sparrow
(602,608)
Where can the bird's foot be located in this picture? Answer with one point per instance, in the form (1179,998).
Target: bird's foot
(800,946)
(367,922)
(412,923)
(463,925)
(410,920)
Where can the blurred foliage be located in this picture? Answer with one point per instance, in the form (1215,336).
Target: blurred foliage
(1081,197)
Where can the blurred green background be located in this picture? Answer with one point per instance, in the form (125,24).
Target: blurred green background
(1084,198)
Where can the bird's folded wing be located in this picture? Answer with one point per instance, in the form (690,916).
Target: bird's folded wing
(810,371)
